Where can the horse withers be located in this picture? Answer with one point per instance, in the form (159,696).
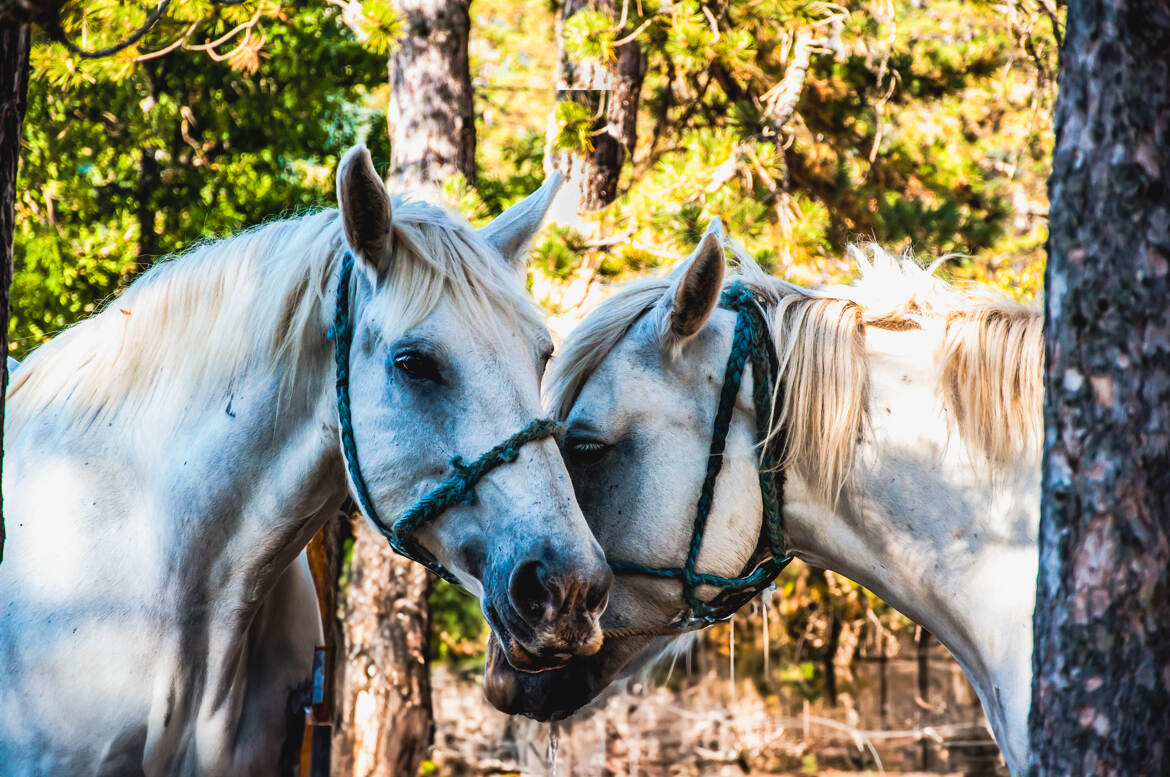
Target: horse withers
(901,431)
(168,459)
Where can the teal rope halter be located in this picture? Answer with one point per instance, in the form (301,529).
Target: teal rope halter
(751,343)
(459,489)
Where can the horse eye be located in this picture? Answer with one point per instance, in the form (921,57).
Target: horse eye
(418,366)
(584,452)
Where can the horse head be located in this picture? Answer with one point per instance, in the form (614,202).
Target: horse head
(444,354)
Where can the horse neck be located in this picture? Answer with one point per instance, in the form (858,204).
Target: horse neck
(932,531)
(215,495)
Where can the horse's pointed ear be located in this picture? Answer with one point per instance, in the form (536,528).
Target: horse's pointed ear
(511,232)
(365,208)
(699,288)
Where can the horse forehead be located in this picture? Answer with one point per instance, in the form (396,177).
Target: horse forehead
(700,359)
(501,340)
(640,375)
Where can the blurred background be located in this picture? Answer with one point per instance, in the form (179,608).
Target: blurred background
(921,124)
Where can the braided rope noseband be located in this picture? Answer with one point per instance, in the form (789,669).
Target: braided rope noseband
(458,489)
(752,343)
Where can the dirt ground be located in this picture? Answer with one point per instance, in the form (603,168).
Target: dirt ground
(709,729)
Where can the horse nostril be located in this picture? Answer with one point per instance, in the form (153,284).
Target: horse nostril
(530,592)
(598,593)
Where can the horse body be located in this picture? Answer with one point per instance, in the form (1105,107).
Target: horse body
(169,459)
(129,638)
(932,532)
(911,416)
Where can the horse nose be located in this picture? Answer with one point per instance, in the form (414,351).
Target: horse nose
(562,600)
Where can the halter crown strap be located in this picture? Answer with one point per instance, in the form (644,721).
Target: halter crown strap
(458,489)
(750,343)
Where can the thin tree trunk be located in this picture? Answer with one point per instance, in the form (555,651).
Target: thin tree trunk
(1101,687)
(385,725)
(14,47)
(149,176)
(431,114)
(611,92)
(922,654)
(831,645)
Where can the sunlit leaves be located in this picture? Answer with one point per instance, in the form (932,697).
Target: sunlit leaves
(235,33)
(574,126)
(589,34)
(375,23)
(556,254)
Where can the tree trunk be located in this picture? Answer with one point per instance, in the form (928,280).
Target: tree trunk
(922,654)
(431,115)
(385,724)
(14,46)
(610,91)
(830,654)
(1101,687)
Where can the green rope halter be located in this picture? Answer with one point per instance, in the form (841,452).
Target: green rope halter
(751,343)
(458,489)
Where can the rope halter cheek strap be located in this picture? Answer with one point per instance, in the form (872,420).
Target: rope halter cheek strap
(751,343)
(458,489)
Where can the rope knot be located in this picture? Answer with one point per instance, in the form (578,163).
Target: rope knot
(464,481)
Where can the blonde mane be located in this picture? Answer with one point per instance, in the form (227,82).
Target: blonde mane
(181,334)
(991,358)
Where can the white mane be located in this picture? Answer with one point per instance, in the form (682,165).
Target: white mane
(991,358)
(180,334)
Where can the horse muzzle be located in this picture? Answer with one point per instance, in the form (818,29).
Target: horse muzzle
(550,612)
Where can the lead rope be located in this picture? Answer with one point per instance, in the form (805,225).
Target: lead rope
(458,489)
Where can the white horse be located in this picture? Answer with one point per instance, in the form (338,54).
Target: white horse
(169,458)
(912,412)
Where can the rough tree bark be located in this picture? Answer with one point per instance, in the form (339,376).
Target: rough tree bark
(611,92)
(14,46)
(431,114)
(1101,687)
(386,724)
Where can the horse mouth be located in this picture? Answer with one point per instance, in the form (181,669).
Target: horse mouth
(551,694)
(522,659)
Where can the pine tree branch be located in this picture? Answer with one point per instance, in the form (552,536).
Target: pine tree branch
(781,100)
(56,31)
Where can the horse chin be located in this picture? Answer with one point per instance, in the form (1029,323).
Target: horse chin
(549,694)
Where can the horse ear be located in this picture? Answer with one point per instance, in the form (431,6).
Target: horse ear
(699,287)
(512,231)
(365,208)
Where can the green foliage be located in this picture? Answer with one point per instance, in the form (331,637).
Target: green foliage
(233,32)
(926,128)
(458,631)
(376,25)
(575,122)
(117,173)
(588,34)
(556,254)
